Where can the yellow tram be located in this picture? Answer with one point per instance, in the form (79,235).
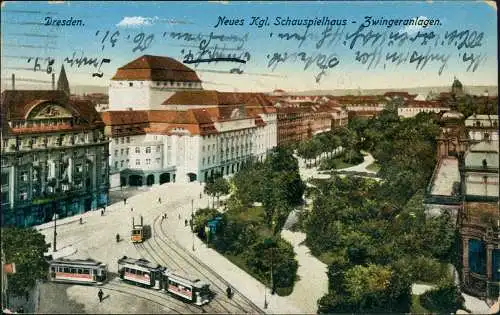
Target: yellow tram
(137,235)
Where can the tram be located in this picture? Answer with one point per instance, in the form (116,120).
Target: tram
(137,235)
(82,271)
(143,272)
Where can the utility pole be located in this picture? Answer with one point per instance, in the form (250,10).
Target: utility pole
(55,230)
(4,283)
(192,219)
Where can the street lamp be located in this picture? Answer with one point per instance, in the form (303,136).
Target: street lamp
(192,219)
(55,230)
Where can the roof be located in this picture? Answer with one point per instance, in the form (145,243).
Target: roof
(17,105)
(156,68)
(211,97)
(447,174)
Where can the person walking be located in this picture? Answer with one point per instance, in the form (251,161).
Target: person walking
(102,212)
(159,199)
(179,216)
(185,222)
(100,294)
(124,201)
(81,221)
(131,209)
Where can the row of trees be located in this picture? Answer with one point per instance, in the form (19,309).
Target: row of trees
(376,234)
(321,143)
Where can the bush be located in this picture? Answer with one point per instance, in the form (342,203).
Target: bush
(446,298)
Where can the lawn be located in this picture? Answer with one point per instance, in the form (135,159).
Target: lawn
(373,167)
(416,307)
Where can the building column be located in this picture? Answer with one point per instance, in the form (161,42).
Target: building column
(489,261)
(465,258)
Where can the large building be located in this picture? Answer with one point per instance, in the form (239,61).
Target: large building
(465,183)
(164,127)
(479,226)
(54,156)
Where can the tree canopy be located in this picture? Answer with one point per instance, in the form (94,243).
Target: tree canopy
(25,248)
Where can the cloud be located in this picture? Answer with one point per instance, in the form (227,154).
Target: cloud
(136,21)
(139,21)
(413,29)
(492,4)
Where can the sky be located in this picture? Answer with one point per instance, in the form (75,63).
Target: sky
(115,33)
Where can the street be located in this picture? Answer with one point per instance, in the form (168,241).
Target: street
(95,239)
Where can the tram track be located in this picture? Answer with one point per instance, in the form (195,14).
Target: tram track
(150,251)
(146,295)
(205,271)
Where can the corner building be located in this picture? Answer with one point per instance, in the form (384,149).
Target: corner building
(54,157)
(164,127)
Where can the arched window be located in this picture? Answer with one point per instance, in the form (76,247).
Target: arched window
(148,149)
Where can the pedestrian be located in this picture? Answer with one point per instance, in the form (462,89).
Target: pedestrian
(166,216)
(159,200)
(124,201)
(131,209)
(102,213)
(200,195)
(185,222)
(81,221)
(100,294)
(179,216)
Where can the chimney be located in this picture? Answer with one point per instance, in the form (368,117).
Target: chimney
(53,81)
(13,81)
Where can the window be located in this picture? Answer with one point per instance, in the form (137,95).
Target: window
(208,160)
(148,149)
(137,150)
(157,160)
(121,163)
(128,139)
(122,140)
(213,146)
(203,149)
(116,164)
(203,161)
(23,195)
(24,176)
(137,162)
(116,152)
(148,161)
(121,151)
(116,141)
(157,148)
(126,151)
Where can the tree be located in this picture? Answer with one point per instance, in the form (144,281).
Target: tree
(25,248)
(221,187)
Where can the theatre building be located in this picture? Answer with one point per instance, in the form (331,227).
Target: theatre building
(164,127)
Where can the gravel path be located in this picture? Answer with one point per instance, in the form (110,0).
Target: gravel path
(313,280)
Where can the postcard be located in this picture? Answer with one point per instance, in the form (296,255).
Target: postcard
(278,157)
